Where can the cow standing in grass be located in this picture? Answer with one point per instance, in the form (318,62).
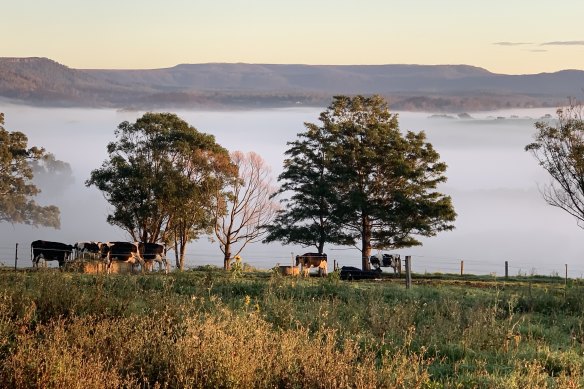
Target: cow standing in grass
(91,248)
(308,260)
(386,260)
(49,251)
(121,251)
(154,252)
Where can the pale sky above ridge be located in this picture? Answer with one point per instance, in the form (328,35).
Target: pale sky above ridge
(512,36)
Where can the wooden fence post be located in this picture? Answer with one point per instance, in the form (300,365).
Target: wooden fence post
(566,280)
(506,269)
(461,267)
(16,257)
(408,272)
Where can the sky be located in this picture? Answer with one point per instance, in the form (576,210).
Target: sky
(510,37)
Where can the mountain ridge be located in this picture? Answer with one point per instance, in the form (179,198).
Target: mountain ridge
(42,81)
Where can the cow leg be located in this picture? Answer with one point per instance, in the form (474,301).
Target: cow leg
(141,261)
(38,260)
(108,264)
(163,262)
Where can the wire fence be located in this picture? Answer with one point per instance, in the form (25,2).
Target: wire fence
(263,260)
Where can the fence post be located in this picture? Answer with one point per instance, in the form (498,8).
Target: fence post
(461,267)
(408,272)
(506,269)
(566,280)
(16,257)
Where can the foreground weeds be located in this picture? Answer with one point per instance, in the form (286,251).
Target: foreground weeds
(205,329)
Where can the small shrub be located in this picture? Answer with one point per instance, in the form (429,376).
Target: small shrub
(236,267)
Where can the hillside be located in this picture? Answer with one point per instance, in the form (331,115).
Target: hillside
(41,81)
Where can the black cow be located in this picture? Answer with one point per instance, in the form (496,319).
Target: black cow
(121,251)
(154,252)
(49,251)
(353,273)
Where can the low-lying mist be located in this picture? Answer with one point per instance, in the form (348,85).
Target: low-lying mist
(493,183)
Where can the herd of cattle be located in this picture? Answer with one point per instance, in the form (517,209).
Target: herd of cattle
(319,261)
(144,254)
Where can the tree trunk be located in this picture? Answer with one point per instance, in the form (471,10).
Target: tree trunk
(183,248)
(321,247)
(365,243)
(227,257)
(177,255)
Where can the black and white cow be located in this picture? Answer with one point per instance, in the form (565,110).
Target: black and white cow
(386,260)
(49,251)
(91,248)
(154,252)
(308,260)
(121,251)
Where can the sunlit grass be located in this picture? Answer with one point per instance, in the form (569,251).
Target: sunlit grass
(206,328)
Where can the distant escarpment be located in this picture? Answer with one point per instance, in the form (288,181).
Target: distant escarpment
(41,81)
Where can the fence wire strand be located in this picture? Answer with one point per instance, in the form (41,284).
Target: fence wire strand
(345,257)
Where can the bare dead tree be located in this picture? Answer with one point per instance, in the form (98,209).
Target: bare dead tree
(241,217)
(559,149)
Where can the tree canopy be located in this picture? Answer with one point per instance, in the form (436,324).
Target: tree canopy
(17,191)
(559,149)
(161,177)
(307,217)
(370,183)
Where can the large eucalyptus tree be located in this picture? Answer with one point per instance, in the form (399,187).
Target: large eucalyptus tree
(161,177)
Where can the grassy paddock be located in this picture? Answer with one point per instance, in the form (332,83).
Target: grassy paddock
(209,329)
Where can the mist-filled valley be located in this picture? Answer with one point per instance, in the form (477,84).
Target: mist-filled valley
(492,180)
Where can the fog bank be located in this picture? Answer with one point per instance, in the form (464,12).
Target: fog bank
(492,181)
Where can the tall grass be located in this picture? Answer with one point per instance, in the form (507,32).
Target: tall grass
(208,329)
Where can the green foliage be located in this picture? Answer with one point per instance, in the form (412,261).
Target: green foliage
(307,217)
(236,267)
(386,180)
(358,178)
(16,187)
(334,276)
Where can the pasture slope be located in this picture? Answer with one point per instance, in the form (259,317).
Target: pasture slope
(210,329)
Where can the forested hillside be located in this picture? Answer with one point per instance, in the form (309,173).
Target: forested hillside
(41,81)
